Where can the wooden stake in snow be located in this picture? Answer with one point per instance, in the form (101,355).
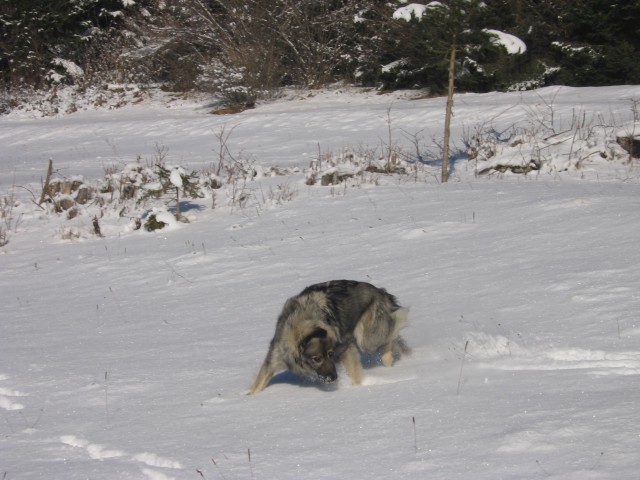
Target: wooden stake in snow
(47,180)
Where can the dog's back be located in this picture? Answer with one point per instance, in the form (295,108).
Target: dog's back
(347,299)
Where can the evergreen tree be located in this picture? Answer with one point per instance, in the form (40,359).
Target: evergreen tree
(41,38)
(417,54)
(600,44)
(246,48)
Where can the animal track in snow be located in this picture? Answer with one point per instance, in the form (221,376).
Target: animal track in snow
(6,402)
(436,229)
(99,452)
(503,354)
(545,438)
(154,460)
(153,475)
(95,451)
(602,295)
(369,380)
(603,363)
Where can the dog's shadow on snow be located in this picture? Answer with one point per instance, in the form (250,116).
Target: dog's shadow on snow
(288,378)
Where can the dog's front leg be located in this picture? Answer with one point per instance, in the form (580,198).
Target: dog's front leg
(264,376)
(351,361)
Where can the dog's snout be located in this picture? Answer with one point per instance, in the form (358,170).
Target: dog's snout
(332,377)
(328,373)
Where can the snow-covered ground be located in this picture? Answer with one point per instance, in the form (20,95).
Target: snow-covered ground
(125,356)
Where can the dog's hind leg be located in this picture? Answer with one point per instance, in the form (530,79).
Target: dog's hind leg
(351,361)
(400,347)
(396,347)
(387,355)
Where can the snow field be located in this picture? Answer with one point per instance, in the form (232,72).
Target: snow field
(126,356)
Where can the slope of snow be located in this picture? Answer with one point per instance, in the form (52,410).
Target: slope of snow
(125,357)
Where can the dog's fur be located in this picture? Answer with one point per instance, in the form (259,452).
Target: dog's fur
(329,323)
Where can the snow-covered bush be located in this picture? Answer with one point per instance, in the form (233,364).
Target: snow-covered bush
(628,137)
(7,220)
(333,169)
(175,183)
(158,219)
(149,193)
(543,148)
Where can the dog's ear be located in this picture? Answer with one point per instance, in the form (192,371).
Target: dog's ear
(317,332)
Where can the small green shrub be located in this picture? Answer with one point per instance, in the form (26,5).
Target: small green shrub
(152,224)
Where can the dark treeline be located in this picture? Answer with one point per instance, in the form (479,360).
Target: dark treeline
(247,49)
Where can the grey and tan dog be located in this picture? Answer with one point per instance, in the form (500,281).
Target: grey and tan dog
(330,323)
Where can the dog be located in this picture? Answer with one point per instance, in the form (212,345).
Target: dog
(331,323)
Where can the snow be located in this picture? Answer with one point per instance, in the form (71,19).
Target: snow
(395,64)
(414,10)
(175,177)
(511,43)
(164,216)
(125,356)
(630,130)
(71,68)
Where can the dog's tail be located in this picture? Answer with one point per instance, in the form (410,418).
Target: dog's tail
(400,318)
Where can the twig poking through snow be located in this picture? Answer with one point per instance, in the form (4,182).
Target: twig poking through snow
(250,465)
(106,396)
(543,470)
(415,436)
(464,356)
(219,471)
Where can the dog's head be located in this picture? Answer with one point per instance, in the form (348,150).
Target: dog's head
(317,353)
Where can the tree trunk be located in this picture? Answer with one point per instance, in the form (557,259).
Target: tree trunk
(449,113)
(178,213)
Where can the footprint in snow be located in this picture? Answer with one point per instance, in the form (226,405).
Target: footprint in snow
(95,451)
(153,460)
(214,400)
(370,380)
(99,452)
(7,396)
(153,475)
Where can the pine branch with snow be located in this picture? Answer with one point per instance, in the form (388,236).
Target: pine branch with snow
(176,183)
